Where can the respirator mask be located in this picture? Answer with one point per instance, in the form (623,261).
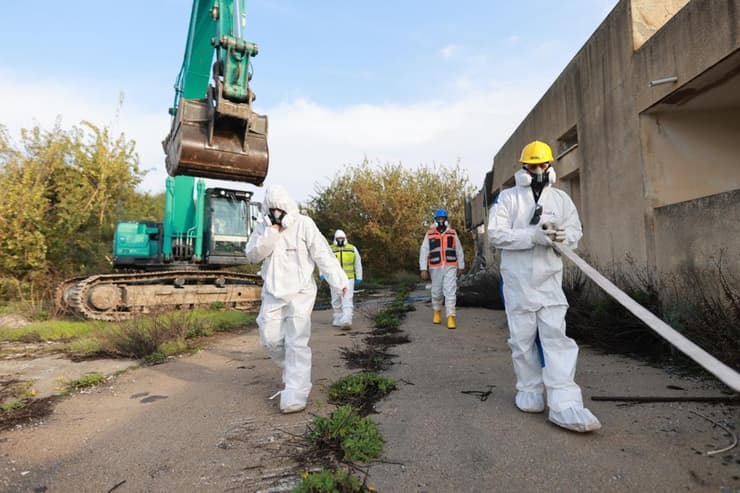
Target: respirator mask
(276,216)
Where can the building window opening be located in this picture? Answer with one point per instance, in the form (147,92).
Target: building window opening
(567,142)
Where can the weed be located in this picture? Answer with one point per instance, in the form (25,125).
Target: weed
(87,380)
(387,319)
(141,337)
(390,317)
(12,405)
(154,358)
(16,390)
(30,410)
(165,332)
(346,435)
(217,305)
(84,346)
(361,390)
(198,330)
(176,346)
(328,481)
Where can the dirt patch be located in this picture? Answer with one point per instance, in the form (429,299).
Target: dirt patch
(386,340)
(12,388)
(386,330)
(368,358)
(32,410)
(10,350)
(48,373)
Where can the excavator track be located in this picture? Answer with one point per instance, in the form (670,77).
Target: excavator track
(118,297)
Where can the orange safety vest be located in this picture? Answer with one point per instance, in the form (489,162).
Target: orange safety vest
(442,247)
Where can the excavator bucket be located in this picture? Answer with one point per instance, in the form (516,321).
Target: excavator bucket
(228,144)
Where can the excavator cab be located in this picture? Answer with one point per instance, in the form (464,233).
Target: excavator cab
(229,220)
(217,136)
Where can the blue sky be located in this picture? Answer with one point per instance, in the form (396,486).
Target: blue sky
(410,81)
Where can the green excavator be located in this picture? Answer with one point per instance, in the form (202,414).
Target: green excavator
(182,262)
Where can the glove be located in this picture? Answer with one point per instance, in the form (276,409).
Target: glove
(322,277)
(358,283)
(555,232)
(542,237)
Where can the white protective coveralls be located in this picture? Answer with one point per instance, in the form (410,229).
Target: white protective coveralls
(532,277)
(444,277)
(343,306)
(288,260)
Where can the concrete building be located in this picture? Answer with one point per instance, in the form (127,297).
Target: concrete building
(645,125)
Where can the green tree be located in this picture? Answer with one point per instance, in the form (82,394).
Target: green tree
(386,209)
(62,192)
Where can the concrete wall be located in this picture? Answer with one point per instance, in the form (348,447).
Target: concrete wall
(694,233)
(693,154)
(642,146)
(648,16)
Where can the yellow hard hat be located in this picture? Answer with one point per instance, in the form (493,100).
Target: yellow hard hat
(536,152)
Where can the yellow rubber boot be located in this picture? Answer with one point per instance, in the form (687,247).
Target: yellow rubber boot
(451,322)
(437,316)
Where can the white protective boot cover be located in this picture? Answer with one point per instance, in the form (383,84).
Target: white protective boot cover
(577,419)
(530,402)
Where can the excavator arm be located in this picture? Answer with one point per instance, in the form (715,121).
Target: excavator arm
(215,133)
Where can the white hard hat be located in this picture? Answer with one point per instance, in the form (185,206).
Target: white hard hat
(339,234)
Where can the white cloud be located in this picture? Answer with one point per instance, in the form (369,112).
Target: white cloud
(25,104)
(309,142)
(513,39)
(448,51)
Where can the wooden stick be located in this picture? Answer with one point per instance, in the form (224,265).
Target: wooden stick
(653,398)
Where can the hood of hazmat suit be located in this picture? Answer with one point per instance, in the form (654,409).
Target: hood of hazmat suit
(290,256)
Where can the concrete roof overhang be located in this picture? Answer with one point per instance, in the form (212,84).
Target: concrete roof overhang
(716,88)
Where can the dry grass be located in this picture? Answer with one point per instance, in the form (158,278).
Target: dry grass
(703,306)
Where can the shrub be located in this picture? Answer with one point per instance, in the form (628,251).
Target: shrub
(347,435)
(326,481)
(360,390)
(87,380)
(703,306)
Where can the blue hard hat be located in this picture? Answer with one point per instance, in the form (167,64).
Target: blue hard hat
(440,213)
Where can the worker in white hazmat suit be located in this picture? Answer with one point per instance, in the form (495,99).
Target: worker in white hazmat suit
(532,273)
(290,246)
(351,262)
(441,257)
